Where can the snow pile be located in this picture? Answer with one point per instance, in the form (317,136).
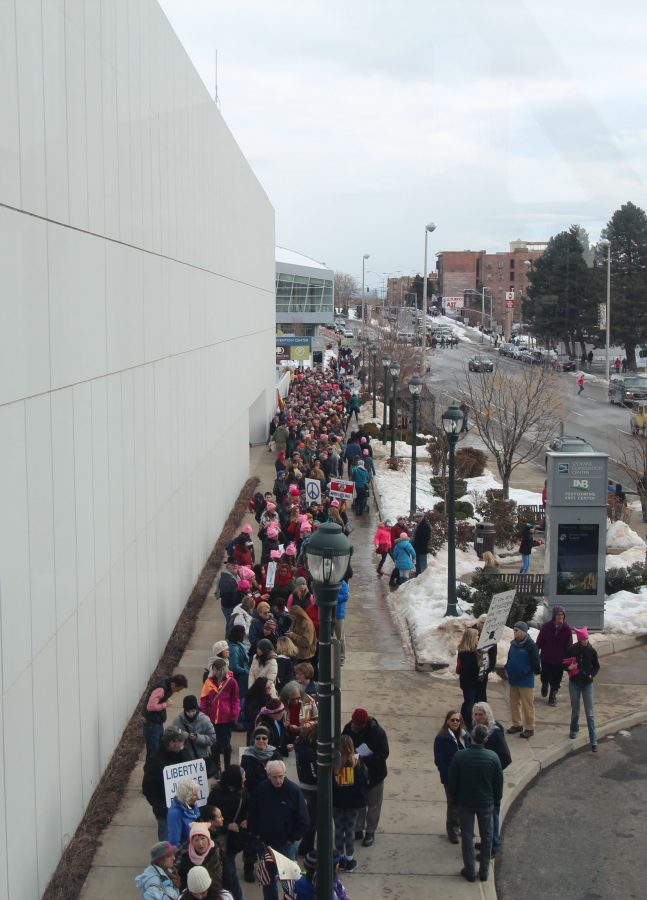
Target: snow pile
(626,613)
(394,488)
(625,559)
(621,537)
(487,481)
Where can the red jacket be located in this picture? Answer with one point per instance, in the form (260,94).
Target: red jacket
(383,540)
(221,702)
(396,531)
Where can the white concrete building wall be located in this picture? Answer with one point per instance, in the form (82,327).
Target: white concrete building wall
(136,359)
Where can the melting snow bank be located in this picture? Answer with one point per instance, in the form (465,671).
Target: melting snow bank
(621,537)
(626,613)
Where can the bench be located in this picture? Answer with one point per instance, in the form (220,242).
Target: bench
(530,585)
(532,514)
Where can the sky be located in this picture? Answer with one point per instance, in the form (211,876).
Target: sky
(364,120)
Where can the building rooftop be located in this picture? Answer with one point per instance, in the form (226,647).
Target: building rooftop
(292,258)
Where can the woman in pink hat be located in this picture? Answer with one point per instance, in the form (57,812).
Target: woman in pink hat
(582,665)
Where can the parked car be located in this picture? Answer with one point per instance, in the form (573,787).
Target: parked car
(564,363)
(638,419)
(348,333)
(626,389)
(480,363)
(506,349)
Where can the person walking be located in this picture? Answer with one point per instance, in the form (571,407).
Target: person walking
(465,410)
(580,383)
(495,741)
(476,786)
(451,738)
(371,743)
(383,543)
(554,639)
(404,557)
(525,548)
(522,665)
(582,665)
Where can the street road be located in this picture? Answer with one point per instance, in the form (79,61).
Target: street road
(589,416)
(580,830)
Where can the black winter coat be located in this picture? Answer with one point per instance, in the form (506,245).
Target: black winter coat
(374,736)
(496,741)
(421,537)
(234,807)
(153,781)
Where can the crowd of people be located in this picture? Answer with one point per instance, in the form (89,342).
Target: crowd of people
(261,679)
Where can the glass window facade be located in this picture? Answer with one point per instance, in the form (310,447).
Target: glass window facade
(302,294)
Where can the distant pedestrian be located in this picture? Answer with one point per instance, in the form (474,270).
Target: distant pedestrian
(465,410)
(580,383)
(625,365)
(476,786)
(525,548)
(582,666)
(366,732)
(420,543)
(522,665)
(617,365)
(590,359)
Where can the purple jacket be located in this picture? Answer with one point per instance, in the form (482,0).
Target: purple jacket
(553,642)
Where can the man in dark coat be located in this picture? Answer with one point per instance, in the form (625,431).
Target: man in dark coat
(174,748)
(278,816)
(420,541)
(228,588)
(475,784)
(367,733)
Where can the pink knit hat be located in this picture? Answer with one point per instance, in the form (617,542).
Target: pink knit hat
(366,453)
(244,585)
(272,531)
(270,507)
(275,554)
(246,572)
(291,550)
(247,529)
(335,503)
(305,527)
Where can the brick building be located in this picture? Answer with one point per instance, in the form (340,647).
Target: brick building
(462,271)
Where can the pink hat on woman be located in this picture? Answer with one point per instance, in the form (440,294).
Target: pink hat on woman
(275,554)
(291,550)
(335,503)
(246,529)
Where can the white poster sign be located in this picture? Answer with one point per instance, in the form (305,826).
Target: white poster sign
(270,575)
(313,490)
(496,618)
(195,769)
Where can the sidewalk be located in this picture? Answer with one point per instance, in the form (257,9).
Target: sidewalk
(411,858)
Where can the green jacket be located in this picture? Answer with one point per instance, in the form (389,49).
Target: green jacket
(475,778)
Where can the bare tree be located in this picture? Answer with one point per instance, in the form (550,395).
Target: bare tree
(345,287)
(633,462)
(516,413)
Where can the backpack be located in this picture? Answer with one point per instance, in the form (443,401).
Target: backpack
(230,547)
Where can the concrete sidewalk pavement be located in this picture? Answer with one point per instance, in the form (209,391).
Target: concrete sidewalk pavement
(411,858)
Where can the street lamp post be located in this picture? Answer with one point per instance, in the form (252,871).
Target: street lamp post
(606,243)
(386,362)
(394,368)
(452,423)
(328,553)
(428,229)
(415,388)
(374,373)
(364,258)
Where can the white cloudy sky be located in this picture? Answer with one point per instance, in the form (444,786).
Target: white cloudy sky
(366,119)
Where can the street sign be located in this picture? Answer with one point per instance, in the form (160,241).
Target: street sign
(509,304)
(342,489)
(195,769)
(496,618)
(313,490)
(453,302)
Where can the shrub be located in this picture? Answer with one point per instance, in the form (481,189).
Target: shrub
(464,593)
(494,494)
(440,486)
(631,579)
(503,515)
(523,606)
(464,510)
(395,463)
(464,535)
(372,430)
(407,434)
(470,462)
(437,450)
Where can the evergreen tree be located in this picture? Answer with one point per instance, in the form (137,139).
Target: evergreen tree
(627,232)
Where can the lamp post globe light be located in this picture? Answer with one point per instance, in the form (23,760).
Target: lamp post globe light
(328,552)
(428,229)
(374,374)
(394,369)
(386,362)
(452,423)
(607,243)
(364,258)
(415,388)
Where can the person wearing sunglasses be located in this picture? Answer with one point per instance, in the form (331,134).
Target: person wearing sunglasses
(451,738)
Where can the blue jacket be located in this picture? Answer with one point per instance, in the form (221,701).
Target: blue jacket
(361,477)
(155,884)
(179,820)
(445,748)
(239,661)
(353,451)
(523,663)
(342,600)
(404,556)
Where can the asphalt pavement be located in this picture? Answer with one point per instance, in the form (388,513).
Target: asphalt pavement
(580,831)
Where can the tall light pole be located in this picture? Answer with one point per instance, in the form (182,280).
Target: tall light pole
(394,368)
(428,229)
(606,243)
(328,555)
(452,424)
(386,362)
(415,388)
(364,258)
(374,373)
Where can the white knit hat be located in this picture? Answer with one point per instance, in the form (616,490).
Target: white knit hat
(198,880)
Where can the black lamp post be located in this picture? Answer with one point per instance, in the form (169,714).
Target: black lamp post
(452,423)
(328,553)
(415,388)
(386,362)
(394,369)
(373,363)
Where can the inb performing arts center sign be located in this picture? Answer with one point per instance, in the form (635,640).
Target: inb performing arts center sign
(293,349)
(576,530)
